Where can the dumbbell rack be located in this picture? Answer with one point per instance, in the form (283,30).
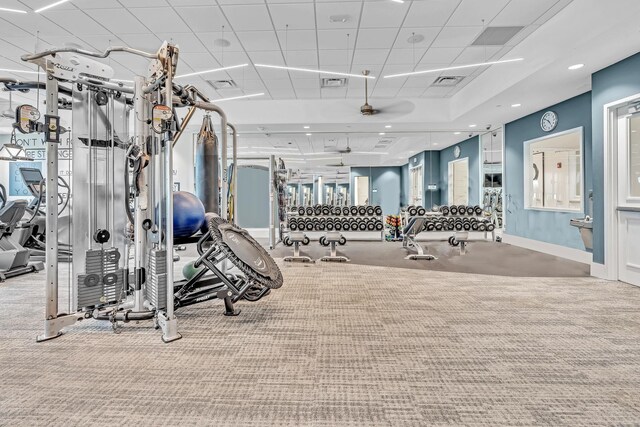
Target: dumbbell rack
(456,234)
(325,217)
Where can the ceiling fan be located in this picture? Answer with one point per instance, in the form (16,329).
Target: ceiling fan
(399,108)
(348,150)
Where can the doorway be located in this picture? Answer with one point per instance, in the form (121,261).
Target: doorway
(416,178)
(628,195)
(362,190)
(458,189)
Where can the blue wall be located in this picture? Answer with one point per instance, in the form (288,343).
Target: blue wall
(616,82)
(470,149)
(253,197)
(551,227)
(384,186)
(431,162)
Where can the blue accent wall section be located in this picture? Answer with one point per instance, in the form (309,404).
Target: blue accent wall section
(431,162)
(384,186)
(470,149)
(253,197)
(546,226)
(618,81)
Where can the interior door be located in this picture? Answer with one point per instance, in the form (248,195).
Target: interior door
(628,197)
(417,184)
(459,182)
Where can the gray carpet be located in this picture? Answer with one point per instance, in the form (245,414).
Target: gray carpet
(482,257)
(340,345)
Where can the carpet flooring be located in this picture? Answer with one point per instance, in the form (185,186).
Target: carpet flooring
(340,345)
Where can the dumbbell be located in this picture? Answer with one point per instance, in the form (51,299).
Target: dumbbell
(412,210)
(301,210)
(466,226)
(330,226)
(491,227)
(421,211)
(377,210)
(444,210)
(342,241)
(317,210)
(478,210)
(439,226)
(462,209)
(370,210)
(287,241)
(430,226)
(379,226)
(308,211)
(326,210)
(353,210)
(306,241)
(362,210)
(453,210)
(345,210)
(337,211)
(293,225)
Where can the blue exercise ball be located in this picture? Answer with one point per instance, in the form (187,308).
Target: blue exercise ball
(188,214)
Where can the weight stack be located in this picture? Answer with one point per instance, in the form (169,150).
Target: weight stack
(103,280)
(156,289)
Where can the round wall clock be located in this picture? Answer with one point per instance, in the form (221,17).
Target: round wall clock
(456,152)
(549,121)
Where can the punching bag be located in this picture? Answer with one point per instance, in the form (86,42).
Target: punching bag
(207,167)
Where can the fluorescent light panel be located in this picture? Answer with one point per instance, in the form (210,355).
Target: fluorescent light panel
(197,73)
(58,3)
(6,9)
(238,97)
(457,67)
(308,70)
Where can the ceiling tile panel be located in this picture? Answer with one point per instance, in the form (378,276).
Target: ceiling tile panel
(118,20)
(383,14)
(430,13)
(203,19)
(248,17)
(297,40)
(376,38)
(299,16)
(303,58)
(325,10)
(336,39)
(159,19)
(457,36)
(259,40)
(522,12)
(439,56)
(209,39)
(472,12)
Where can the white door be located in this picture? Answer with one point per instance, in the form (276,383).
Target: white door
(362,190)
(459,182)
(628,197)
(416,178)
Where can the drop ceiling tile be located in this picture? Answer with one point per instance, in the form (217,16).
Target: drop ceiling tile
(203,18)
(420,81)
(297,40)
(33,23)
(177,3)
(335,57)
(9,30)
(248,17)
(101,42)
(475,54)
(405,56)
(37,4)
(298,16)
(303,58)
(324,10)
(408,92)
(209,40)
(259,40)
(273,74)
(522,34)
(308,93)
(82,24)
(457,36)
(336,39)
(102,4)
(370,56)
(374,70)
(158,19)
(333,93)
(436,92)
(199,62)
(376,38)
(252,85)
(146,42)
(433,13)
(269,57)
(187,42)
(383,14)
(118,20)
(278,84)
(390,83)
(522,12)
(282,94)
(561,4)
(243,74)
(429,34)
(306,83)
(439,56)
(383,93)
(231,58)
(472,12)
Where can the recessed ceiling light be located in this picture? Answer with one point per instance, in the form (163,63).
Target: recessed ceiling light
(58,3)
(472,126)
(516,105)
(576,66)
(381,133)
(456,133)
(308,134)
(221,43)
(309,70)
(415,38)
(388,126)
(398,1)
(339,19)
(307,127)
(457,67)
(213,70)
(6,9)
(435,143)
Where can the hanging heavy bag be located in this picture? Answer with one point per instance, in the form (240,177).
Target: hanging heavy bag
(207,169)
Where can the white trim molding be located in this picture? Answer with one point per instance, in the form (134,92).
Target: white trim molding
(600,271)
(572,254)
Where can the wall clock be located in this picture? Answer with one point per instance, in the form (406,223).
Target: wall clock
(456,152)
(549,121)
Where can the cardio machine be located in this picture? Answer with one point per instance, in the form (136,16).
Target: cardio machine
(14,258)
(33,237)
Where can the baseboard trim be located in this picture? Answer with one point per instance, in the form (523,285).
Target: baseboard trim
(548,248)
(600,271)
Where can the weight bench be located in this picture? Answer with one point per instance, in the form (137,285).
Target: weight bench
(333,238)
(409,233)
(297,237)
(463,239)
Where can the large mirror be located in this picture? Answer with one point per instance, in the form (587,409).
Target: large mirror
(553,172)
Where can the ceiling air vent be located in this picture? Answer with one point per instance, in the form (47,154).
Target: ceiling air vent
(222,84)
(447,81)
(496,36)
(332,82)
